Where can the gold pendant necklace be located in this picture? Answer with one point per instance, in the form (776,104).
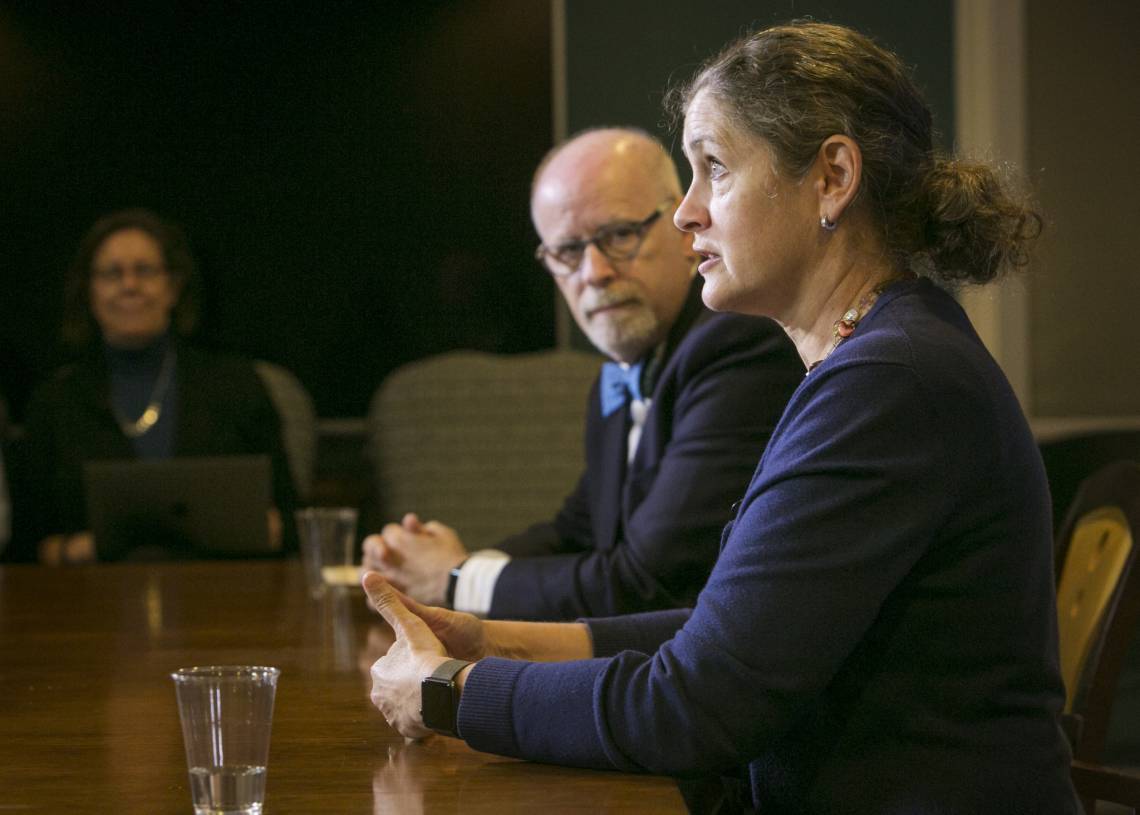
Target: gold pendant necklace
(153,411)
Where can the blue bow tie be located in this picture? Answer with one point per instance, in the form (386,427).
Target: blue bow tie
(618,384)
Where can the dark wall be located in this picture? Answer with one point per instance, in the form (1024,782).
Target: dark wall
(353,177)
(622,56)
(355,181)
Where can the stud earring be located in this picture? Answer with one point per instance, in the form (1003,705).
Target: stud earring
(827,223)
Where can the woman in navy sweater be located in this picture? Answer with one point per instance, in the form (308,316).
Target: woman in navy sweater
(879,632)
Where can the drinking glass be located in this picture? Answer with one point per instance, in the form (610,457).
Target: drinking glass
(226,713)
(328,545)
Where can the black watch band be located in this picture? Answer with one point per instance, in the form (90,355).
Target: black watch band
(439,698)
(452,582)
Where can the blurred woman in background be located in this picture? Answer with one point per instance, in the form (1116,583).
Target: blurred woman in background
(137,389)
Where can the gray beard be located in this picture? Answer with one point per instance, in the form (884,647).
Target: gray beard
(627,336)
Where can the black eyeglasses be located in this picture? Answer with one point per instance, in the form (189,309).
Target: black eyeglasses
(618,241)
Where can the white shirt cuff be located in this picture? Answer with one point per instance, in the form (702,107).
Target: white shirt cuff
(476,584)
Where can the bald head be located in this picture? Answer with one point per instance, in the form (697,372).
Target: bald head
(603,183)
(604,157)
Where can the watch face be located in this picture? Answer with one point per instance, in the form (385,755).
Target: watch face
(438,703)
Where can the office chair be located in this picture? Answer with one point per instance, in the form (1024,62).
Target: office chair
(485,443)
(298,424)
(1098,602)
(1070,459)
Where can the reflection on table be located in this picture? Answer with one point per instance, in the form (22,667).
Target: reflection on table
(88,721)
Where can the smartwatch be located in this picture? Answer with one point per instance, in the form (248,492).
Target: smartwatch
(439,698)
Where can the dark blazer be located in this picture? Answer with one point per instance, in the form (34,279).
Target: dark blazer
(647,538)
(222,409)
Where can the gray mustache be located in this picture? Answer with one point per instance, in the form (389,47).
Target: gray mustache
(607,297)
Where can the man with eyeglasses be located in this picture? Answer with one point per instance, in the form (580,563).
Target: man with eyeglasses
(675,422)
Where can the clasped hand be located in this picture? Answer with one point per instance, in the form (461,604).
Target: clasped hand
(416,557)
(425,636)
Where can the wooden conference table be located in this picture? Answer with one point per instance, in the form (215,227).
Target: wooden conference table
(88,720)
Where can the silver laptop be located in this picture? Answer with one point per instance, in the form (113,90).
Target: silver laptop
(179,507)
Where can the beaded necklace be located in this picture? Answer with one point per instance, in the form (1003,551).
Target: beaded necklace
(844,327)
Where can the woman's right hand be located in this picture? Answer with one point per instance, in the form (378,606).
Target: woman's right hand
(463,635)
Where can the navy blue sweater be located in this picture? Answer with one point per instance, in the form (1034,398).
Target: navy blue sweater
(879,632)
